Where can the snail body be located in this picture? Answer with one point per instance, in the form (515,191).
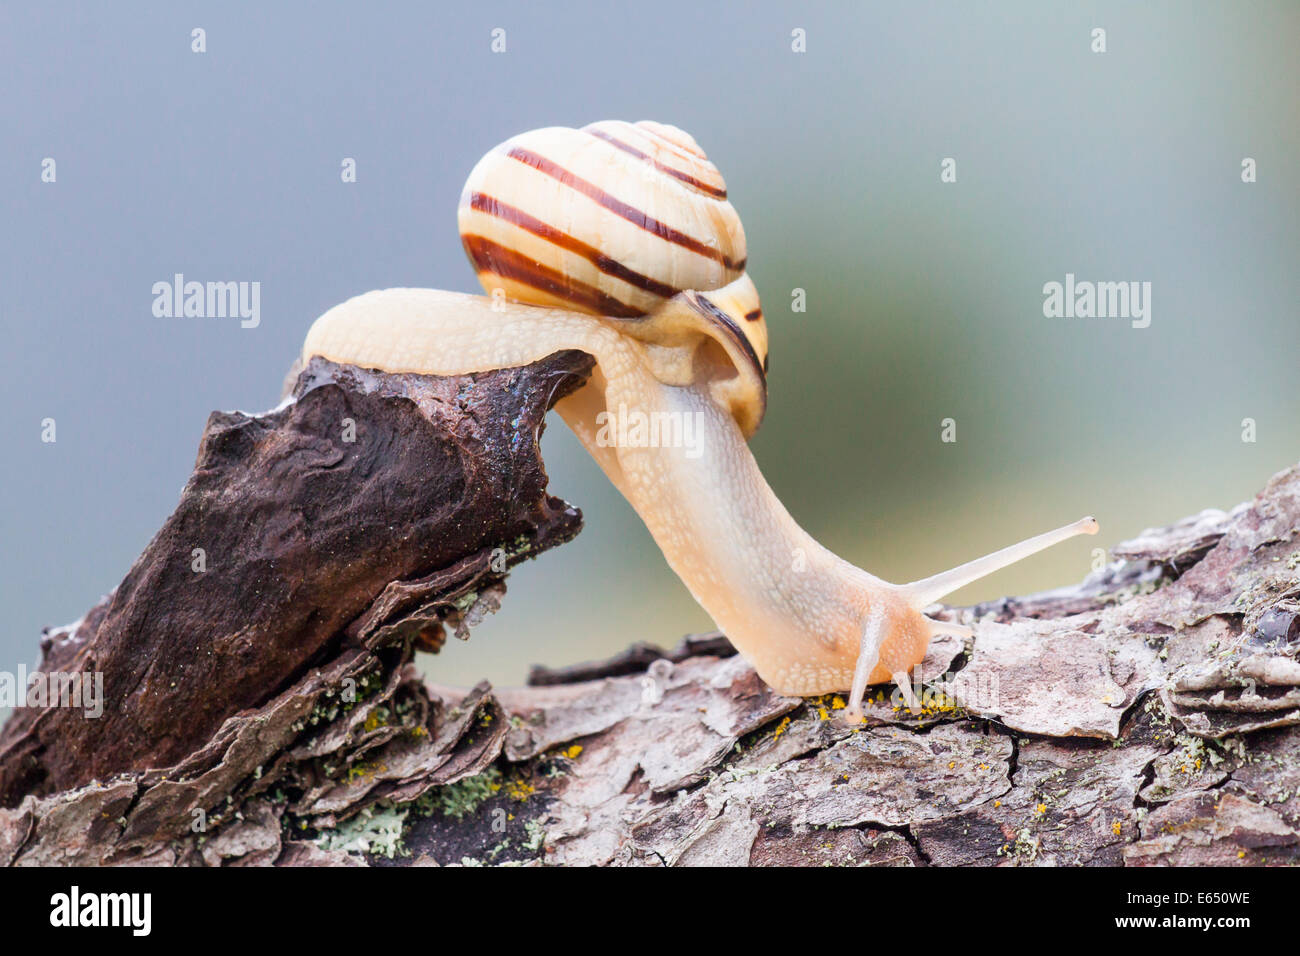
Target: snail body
(621,237)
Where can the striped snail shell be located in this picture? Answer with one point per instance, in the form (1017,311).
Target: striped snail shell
(629,221)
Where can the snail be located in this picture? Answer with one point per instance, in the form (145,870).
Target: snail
(618,240)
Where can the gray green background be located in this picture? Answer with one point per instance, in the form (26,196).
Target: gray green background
(924,299)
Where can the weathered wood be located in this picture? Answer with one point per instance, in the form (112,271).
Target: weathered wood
(1149,715)
(368,503)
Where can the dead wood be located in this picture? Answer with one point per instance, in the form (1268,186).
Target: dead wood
(261,706)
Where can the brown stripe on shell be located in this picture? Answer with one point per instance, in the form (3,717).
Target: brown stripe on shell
(620,208)
(662,167)
(491,206)
(729,326)
(494,258)
(686,144)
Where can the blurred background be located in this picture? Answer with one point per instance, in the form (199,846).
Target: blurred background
(924,299)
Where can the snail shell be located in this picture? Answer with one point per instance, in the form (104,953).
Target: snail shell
(629,221)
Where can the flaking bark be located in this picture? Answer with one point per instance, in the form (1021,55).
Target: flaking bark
(266,711)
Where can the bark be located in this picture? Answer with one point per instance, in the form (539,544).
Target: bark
(265,710)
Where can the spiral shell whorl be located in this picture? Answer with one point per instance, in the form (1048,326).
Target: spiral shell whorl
(612,219)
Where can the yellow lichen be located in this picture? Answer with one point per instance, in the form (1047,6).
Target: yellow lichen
(363,771)
(519,789)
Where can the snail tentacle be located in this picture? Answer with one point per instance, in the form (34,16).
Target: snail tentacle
(928,590)
(873,635)
(947,627)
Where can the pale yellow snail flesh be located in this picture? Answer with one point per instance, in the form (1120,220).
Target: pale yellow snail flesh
(625,230)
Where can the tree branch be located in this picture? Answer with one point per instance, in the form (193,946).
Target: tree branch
(261,706)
